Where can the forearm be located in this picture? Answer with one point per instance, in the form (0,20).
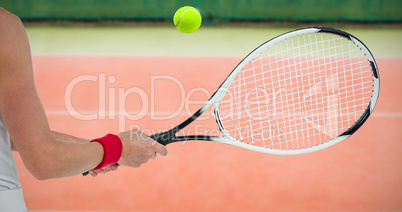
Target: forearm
(48,154)
(75,140)
(71,142)
(58,136)
(69,138)
(57,155)
(67,158)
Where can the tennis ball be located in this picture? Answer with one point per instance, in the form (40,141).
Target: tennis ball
(187,19)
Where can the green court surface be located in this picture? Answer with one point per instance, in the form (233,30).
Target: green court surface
(167,41)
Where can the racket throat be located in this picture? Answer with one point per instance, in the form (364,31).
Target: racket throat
(165,138)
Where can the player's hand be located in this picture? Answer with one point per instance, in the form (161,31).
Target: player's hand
(138,148)
(104,170)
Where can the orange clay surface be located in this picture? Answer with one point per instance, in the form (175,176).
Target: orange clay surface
(362,173)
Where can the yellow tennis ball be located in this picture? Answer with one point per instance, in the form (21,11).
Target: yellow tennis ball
(187,19)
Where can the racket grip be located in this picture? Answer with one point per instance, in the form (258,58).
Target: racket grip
(85,173)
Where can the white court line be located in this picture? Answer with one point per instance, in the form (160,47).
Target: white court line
(167,113)
(114,113)
(385,115)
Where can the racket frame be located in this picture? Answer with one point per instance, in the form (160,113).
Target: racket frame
(170,135)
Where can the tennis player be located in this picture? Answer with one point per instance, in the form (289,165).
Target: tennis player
(24,128)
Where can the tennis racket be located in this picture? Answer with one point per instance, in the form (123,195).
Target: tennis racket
(300,92)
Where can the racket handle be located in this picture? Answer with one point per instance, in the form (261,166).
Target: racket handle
(85,173)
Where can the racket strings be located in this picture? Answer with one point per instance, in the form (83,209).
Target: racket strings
(302,69)
(295,113)
(298,93)
(297,125)
(348,81)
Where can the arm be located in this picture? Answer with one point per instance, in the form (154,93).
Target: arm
(23,115)
(70,138)
(59,136)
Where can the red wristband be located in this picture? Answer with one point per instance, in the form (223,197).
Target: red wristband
(112,148)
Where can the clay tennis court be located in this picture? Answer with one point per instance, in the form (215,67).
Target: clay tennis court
(89,91)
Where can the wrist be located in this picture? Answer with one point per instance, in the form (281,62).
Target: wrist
(112,150)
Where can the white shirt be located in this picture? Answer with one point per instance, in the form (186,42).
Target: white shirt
(11,197)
